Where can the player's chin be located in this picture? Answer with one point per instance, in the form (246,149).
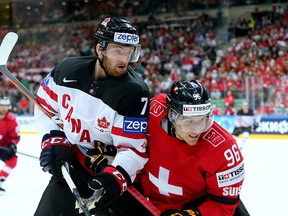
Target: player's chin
(120,71)
(192,140)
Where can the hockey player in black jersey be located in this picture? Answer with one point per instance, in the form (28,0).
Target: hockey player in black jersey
(246,120)
(103,105)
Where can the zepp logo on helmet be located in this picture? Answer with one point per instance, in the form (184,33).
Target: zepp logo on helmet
(126,38)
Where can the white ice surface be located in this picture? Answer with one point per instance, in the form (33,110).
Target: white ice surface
(264,191)
(27,181)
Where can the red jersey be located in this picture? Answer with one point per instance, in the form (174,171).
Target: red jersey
(177,173)
(9,130)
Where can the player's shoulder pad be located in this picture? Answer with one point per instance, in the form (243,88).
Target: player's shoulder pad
(135,79)
(217,136)
(10,116)
(158,105)
(72,68)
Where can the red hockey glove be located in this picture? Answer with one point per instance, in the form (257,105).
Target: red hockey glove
(113,181)
(56,150)
(186,212)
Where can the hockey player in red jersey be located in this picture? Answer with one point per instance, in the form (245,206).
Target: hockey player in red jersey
(195,166)
(101,102)
(9,138)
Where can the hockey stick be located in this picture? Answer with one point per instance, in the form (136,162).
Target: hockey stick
(6,149)
(21,153)
(148,205)
(7,45)
(73,188)
(31,156)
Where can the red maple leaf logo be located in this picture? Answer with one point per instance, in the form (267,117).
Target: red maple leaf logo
(103,123)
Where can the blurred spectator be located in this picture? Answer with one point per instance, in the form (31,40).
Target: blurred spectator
(228,109)
(229,99)
(24,105)
(216,110)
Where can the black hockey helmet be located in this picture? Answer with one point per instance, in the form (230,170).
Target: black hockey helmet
(119,31)
(189,95)
(188,99)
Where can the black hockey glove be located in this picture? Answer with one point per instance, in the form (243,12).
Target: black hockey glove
(56,150)
(112,182)
(9,152)
(186,212)
(97,161)
(13,148)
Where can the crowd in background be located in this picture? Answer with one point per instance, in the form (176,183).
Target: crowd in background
(27,13)
(193,50)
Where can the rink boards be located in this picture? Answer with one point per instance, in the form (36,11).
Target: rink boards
(270,127)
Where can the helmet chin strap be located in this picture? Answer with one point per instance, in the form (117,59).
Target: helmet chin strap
(171,130)
(102,66)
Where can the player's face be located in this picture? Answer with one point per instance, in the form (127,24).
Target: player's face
(190,128)
(117,58)
(3,110)
(245,108)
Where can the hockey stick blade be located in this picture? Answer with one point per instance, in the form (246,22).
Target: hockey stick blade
(6,47)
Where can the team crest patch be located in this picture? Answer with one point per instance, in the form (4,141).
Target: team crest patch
(213,137)
(103,123)
(156,108)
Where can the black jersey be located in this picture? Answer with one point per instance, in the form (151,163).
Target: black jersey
(110,111)
(246,119)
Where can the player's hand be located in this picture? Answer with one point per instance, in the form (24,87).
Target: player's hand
(111,183)
(12,149)
(56,150)
(96,160)
(186,212)
(9,152)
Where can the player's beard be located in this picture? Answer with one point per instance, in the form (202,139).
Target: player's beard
(115,69)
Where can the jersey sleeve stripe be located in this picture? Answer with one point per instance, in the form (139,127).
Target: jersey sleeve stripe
(45,104)
(51,93)
(119,132)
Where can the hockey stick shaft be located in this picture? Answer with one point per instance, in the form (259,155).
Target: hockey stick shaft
(28,155)
(32,97)
(148,205)
(73,189)
(21,153)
